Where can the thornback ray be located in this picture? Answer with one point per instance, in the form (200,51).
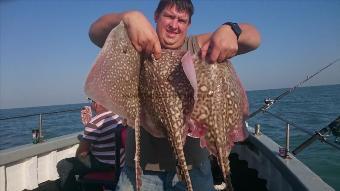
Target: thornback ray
(170,98)
(114,79)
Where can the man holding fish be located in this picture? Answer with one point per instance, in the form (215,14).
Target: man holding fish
(173,19)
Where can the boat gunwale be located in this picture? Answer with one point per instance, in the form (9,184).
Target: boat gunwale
(296,173)
(22,152)
(299,176)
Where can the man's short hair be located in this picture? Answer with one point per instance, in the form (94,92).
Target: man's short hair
(182,5)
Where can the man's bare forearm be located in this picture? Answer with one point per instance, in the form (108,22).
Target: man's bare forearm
(101,28)
(249,39)
(140,31)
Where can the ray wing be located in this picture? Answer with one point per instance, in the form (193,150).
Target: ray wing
(218,108)
(114,79)
(168,97)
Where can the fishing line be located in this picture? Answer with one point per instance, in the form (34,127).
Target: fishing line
(269,102)
(322,138)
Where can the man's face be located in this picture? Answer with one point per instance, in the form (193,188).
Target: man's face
(172,27)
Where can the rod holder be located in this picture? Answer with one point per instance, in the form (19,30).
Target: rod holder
(40,126)
(257,129)
(283,151)
(287,137)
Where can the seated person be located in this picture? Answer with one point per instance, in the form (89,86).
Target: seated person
(96,151)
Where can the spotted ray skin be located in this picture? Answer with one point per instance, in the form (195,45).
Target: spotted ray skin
(118,82)
(168,96)
(157,95)
(219,107)
(114,79)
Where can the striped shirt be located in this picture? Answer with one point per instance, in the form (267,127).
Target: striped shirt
(100,133)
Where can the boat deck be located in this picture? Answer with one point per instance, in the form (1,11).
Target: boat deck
(243,178)
(255,165)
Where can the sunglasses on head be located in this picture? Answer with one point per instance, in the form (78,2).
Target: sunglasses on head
(91,100)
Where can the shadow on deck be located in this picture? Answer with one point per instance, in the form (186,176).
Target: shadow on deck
(242,177)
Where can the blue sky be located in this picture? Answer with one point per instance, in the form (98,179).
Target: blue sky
(45,52)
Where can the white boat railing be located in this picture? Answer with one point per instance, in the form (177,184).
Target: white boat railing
(26,166)
(282,173)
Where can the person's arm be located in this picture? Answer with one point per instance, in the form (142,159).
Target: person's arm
(83,149)
(223,43)
(86,114)
(101,28)
(140,31)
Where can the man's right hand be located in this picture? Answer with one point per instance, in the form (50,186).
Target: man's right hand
(141,33)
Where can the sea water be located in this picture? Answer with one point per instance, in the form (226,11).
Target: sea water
(310,108)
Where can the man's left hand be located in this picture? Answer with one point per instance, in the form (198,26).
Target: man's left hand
(222,45)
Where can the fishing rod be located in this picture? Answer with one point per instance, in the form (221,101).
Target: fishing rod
(269,102)
(333,127)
